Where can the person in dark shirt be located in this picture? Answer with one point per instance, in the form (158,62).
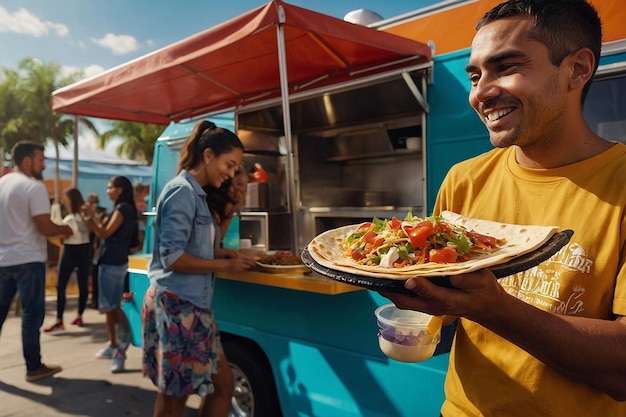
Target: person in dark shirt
(118,234)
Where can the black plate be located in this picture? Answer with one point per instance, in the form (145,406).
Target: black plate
(514,266)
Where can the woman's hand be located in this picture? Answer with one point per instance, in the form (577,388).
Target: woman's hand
(238,264)
(230,253)
(87,211)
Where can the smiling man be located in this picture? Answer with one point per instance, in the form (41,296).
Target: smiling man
(549,341)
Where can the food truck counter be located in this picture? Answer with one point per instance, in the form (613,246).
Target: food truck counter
(308,281)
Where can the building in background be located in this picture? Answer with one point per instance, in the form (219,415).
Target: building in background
(95,169)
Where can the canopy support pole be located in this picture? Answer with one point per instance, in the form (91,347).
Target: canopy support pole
(415,91)
(57,175)
(292,201)
(75,162)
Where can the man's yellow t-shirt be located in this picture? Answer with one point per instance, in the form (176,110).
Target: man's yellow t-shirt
(489,376)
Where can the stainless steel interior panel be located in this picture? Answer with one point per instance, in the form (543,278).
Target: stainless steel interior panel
(340,109)
(350,159)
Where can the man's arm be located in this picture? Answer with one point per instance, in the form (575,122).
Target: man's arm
(48,228)
(585,349)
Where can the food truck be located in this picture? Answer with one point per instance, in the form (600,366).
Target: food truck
(349,122)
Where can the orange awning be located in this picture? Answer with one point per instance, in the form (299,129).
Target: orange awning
(237,63)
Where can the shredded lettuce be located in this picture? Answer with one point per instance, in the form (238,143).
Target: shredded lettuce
(404,252)
(379,225)
(461,243)
(452,236)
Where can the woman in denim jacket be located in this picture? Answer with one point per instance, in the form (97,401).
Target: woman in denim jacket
(181,345)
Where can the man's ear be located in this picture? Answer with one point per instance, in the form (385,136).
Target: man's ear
(26,164)
(582,65)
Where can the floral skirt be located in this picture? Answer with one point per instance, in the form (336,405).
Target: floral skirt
(181,344)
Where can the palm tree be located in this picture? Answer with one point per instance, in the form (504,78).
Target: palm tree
(27,113)
(138,139)
(38,121)
(10,108)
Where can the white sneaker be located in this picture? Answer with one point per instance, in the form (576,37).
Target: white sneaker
(105,353)
(117,362)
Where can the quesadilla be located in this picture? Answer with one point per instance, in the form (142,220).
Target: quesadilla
(329,249)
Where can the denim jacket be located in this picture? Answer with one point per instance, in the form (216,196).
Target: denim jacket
(183,224)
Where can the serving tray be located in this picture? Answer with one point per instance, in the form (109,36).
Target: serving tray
(514,266)
(282,269)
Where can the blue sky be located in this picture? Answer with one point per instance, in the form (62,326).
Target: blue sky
(95,35)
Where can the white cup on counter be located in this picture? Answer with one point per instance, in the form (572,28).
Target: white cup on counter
(245,243)
(414,143)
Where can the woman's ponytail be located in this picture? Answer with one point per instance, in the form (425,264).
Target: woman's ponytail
(206,135)
(191,153)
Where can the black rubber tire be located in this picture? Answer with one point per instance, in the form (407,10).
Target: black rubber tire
(253,373)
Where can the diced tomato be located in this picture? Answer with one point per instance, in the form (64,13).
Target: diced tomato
(395,224)
(369,237)
(419,233)
(444,228)
(371,247)
(356,255)
(365,225)
(442,256)
(482,241)
(378,241)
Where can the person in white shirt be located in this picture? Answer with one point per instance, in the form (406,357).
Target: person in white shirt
(25,214)
(76,256)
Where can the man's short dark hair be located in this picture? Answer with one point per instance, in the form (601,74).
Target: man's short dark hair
(23,149)
(564,26)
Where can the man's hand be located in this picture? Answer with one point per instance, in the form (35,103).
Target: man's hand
(48,228)
(475,295)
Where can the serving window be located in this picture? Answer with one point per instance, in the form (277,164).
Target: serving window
(605,106)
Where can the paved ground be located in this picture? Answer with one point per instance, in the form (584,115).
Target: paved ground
(85,387)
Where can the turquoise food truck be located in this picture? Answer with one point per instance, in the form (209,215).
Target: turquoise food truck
(298,343)
(331,110)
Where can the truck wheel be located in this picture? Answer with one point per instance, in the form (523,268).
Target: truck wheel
(255,391)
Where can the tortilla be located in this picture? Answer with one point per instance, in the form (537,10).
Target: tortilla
(326,250)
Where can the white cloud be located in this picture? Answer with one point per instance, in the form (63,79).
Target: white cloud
(24,22)
(118,44)
(66,71)
(88,71)
(59,28)
(92,70)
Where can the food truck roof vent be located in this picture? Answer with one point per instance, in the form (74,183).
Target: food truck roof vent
(363,17)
